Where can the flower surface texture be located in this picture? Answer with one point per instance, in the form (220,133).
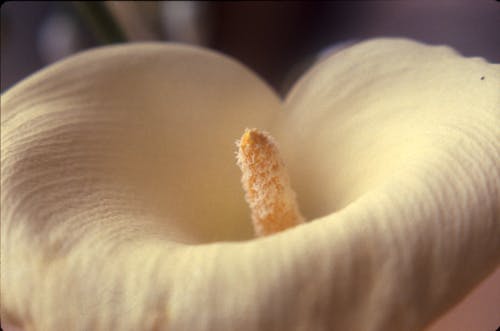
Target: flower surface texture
(122,207)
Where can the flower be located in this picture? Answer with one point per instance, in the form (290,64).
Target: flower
(122,207)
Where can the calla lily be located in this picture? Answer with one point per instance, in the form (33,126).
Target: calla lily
(122,207)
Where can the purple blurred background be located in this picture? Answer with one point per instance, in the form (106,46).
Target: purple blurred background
(276,39)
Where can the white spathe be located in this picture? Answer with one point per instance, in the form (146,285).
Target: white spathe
(122,207)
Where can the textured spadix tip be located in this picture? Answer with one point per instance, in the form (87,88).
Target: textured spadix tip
(251,137)
(266,183)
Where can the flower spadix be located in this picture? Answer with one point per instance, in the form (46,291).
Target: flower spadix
(265,180)
(122,206)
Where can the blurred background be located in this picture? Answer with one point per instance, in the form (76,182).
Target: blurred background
(278,40)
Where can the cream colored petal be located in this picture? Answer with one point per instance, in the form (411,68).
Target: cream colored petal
(108,148)
(402,141)
(159,120)
(393,148)
(374,134)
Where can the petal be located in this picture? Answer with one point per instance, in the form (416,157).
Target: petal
(158,120)
(109,147)
(370,110)
(400,141)
(401,170)
(390,258)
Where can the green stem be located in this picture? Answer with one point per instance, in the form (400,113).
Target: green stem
(100,20)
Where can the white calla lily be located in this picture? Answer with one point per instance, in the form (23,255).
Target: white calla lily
(122,207)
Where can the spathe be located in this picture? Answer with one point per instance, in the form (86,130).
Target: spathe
(115,161)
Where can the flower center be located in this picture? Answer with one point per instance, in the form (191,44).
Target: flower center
(268,192)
